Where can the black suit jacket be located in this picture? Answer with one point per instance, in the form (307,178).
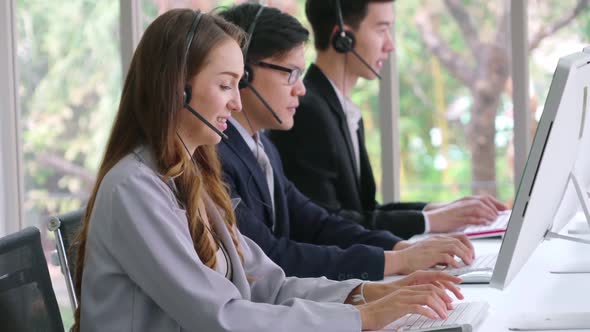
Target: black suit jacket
(307,240)
(318,157)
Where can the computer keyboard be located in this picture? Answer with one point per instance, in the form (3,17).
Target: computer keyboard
(468,313)
(480,263)
(496,228)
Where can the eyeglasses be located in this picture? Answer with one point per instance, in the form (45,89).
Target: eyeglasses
(294,73)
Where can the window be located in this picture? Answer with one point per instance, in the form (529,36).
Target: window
(556,29)
(455,109)
(153,8)
(572,32)
(69,85)
(456,122)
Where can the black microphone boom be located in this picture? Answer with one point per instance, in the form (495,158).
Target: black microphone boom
(248,85)
(365,63)
(343,40)
(207,123)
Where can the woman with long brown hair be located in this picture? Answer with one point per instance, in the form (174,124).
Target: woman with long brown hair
(159,249)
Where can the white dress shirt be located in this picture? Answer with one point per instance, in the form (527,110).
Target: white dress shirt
(353,116)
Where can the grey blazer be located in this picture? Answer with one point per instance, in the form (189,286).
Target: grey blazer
(142,273)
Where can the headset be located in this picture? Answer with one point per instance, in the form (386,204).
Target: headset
(187,94)
(343,41)
(248,73)
(186,98)
(246,80)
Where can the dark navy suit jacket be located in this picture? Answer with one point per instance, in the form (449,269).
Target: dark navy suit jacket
(307,241)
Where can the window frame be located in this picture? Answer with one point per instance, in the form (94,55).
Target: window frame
(11,176)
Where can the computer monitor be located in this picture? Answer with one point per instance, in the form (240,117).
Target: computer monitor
(549,166)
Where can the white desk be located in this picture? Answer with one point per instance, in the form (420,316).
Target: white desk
(535,289)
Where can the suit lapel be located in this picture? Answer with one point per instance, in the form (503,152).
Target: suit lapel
(240,148)
(324,87)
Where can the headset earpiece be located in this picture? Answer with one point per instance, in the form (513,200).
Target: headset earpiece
(188,94)
(247,78)
(248,73)
(343,41)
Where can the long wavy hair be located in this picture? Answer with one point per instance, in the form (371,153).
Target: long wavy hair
(149,115)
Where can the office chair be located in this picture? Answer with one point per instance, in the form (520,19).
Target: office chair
(65,227)
(27,300)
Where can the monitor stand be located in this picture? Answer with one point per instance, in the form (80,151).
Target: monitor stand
(584,198)
(568,320)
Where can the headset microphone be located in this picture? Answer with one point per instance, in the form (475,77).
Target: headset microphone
(251,87)
(365,63)
(343,41)
(187,99)
(246,80)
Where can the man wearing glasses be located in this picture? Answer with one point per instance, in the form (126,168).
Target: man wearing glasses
(300,236)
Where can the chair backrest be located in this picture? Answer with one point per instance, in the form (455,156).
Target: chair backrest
(27,300)
(65,228)
(68,225)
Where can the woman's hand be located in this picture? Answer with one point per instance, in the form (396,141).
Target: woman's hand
(442,280)
(427,299)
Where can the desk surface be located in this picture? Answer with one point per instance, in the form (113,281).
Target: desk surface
(535,289)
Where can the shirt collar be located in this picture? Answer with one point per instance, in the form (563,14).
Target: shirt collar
(351,111)
(250,141)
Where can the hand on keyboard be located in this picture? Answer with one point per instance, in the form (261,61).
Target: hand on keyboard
(426,300)
(496,228)
(437,249)
(443,280)
(440,279)
(470,210)
(481,263)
